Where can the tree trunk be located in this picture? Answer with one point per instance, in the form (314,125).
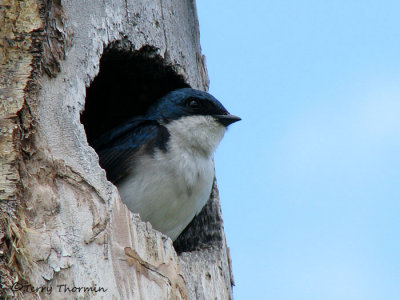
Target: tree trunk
(71,69)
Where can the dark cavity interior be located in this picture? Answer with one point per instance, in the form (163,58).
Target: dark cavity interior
(127,84)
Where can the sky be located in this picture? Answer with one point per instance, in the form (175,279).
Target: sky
(310,178)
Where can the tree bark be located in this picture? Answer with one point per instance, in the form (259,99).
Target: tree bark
(63,226)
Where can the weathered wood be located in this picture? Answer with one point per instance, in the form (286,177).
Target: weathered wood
(62,222)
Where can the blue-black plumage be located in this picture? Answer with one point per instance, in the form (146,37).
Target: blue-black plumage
(162,162)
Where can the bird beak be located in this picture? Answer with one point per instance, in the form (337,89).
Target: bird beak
(226,119)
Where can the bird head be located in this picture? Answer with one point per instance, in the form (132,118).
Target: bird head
(190,102)
(195,117)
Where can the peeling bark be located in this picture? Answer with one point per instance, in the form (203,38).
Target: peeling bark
(62,224)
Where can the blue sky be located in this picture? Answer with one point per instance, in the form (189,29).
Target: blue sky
(310,178)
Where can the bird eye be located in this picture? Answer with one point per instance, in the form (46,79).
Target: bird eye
(193,103)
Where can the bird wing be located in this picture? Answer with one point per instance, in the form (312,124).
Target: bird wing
(117,148)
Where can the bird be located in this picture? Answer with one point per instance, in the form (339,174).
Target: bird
(162,161)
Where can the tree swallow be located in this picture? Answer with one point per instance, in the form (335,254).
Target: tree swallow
(162,161)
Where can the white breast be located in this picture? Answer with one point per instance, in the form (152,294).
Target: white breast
(170,188)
